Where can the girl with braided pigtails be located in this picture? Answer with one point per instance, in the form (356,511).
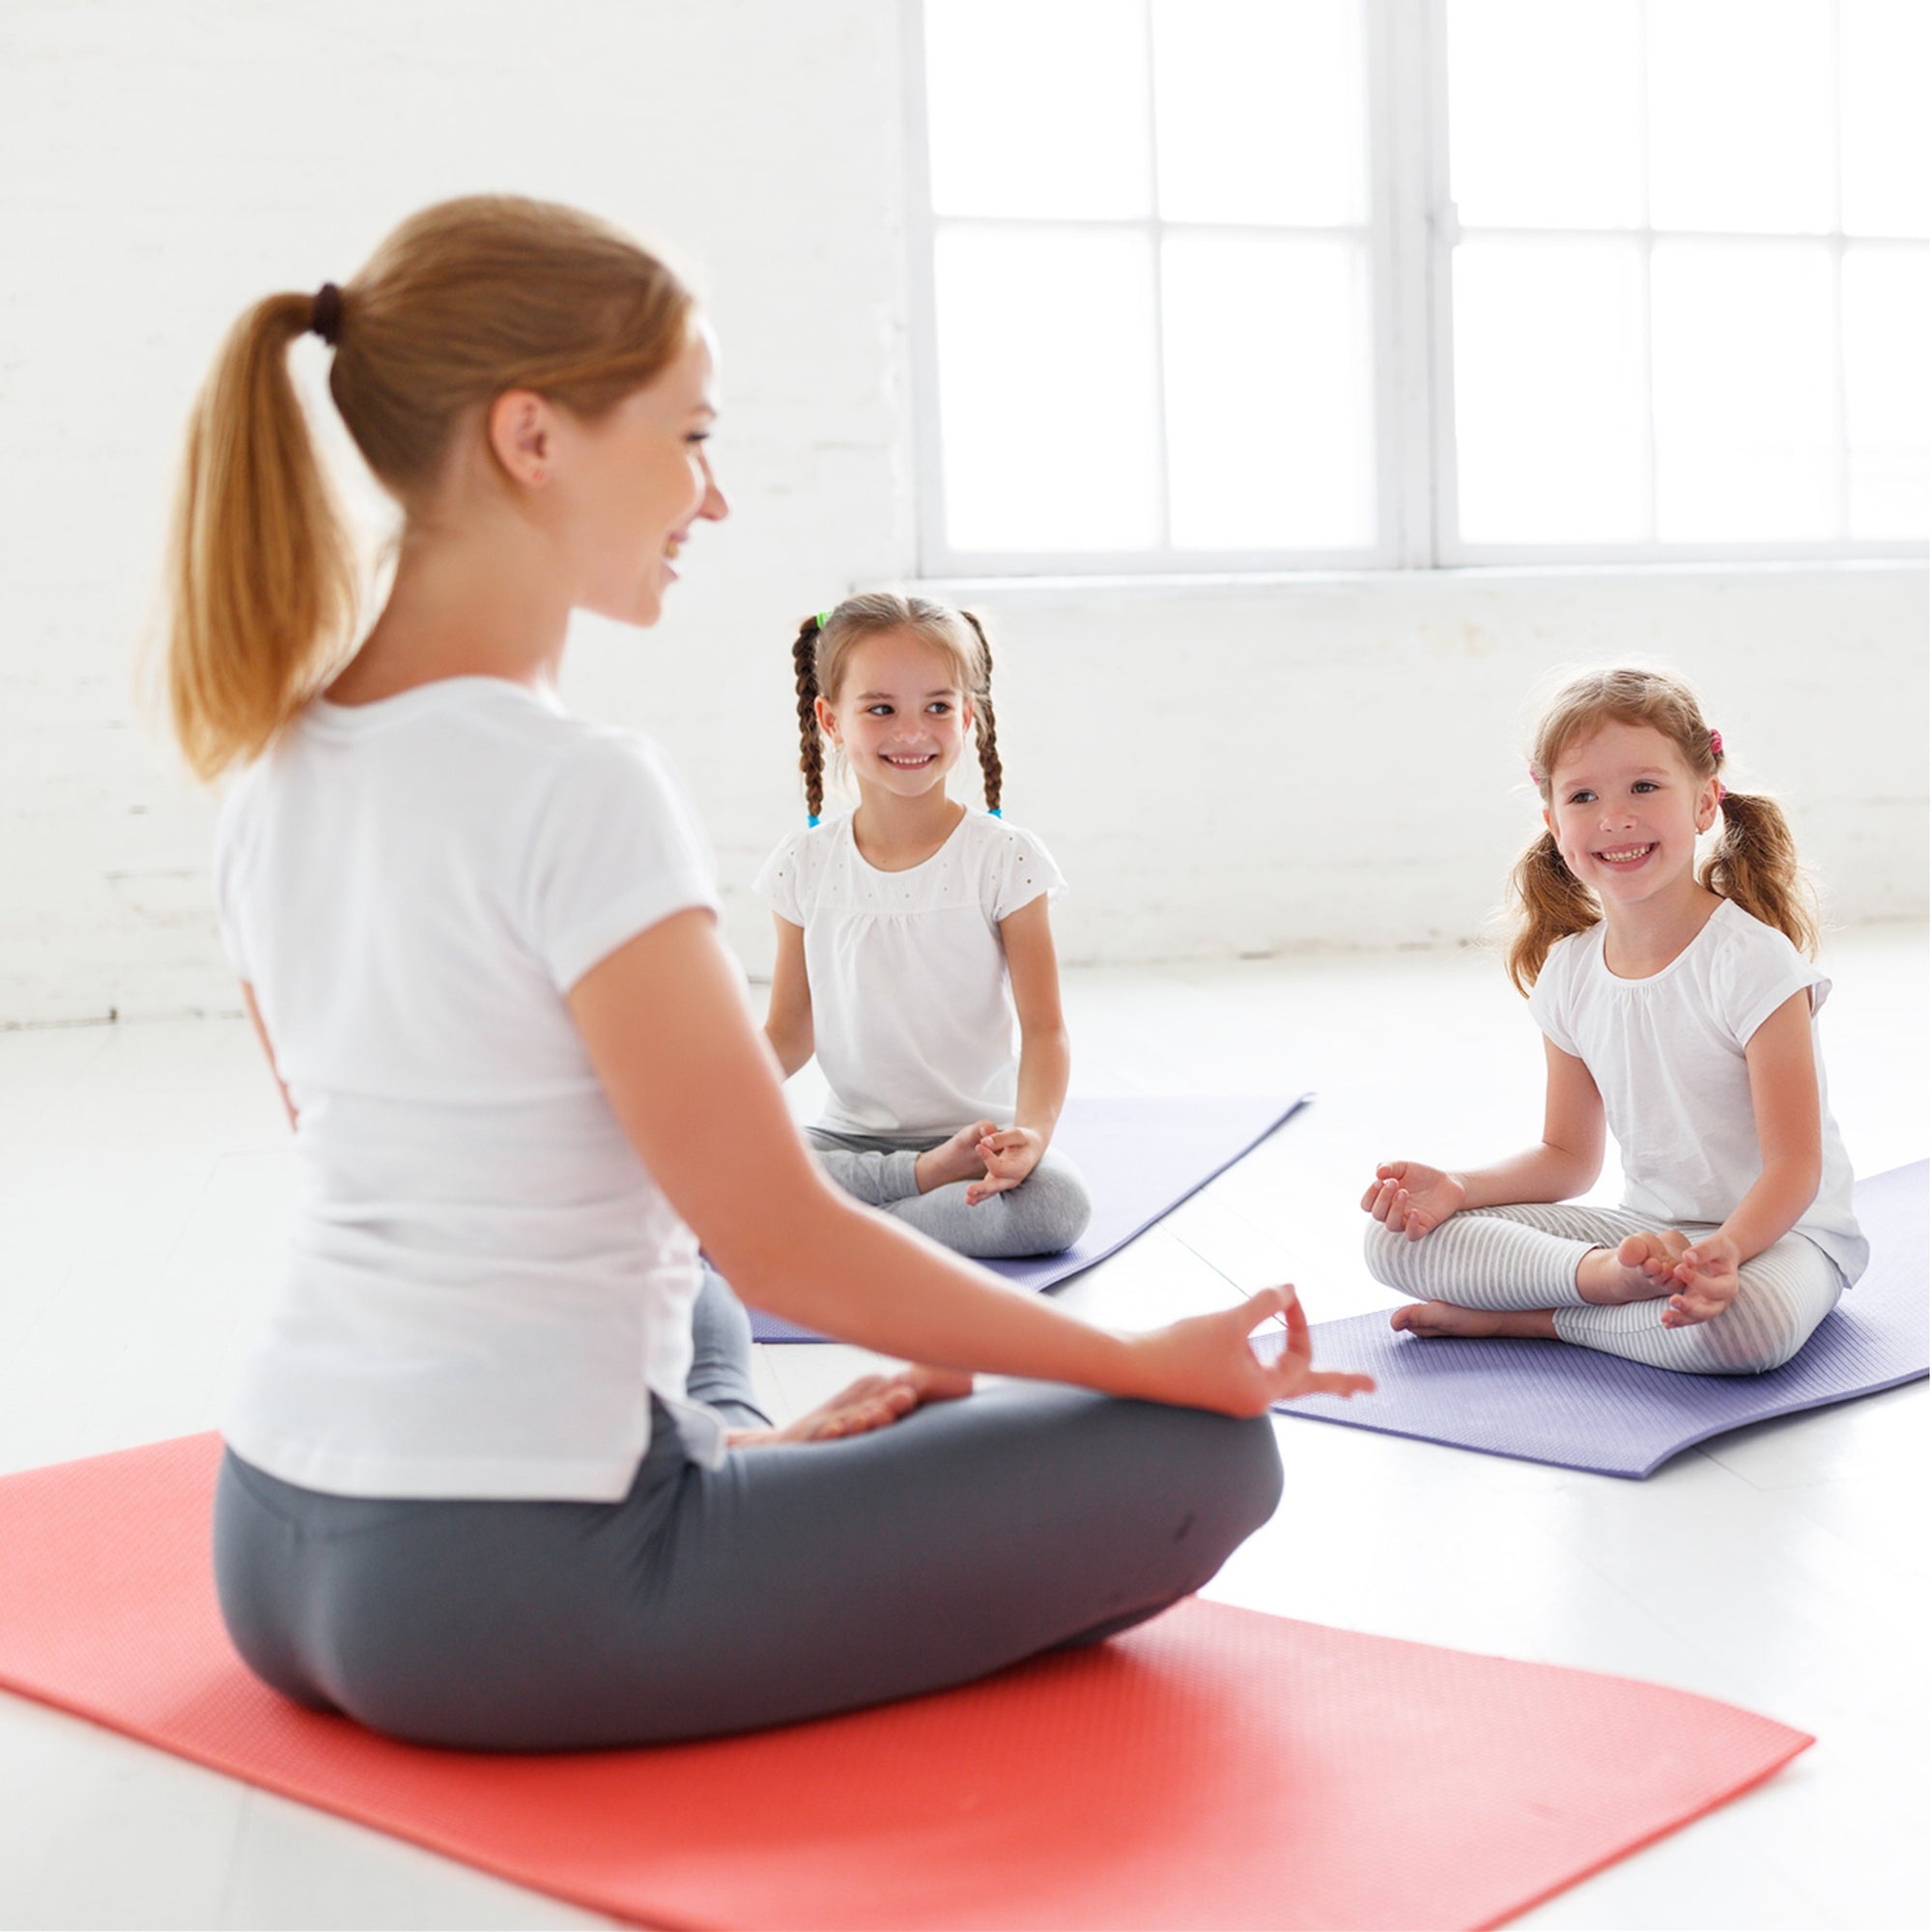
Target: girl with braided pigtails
(914,942)
(1676,1004)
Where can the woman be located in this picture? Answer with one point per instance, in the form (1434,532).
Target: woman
(495,1477)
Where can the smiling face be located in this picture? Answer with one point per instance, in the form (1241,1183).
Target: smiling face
(900,715)
(1626,811)
(630,484)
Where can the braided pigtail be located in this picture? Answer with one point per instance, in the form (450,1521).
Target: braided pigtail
(810,747)
(1755,865)
(986,728)
(1551,904)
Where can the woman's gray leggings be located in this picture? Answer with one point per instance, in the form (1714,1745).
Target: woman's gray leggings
(1527,1258)
(789,1582)
(1046,1212)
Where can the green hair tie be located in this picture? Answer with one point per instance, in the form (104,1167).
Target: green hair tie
(824,619)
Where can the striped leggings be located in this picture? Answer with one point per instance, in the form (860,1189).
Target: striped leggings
(1526,1257)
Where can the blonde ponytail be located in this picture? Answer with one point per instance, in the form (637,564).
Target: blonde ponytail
(462,302)
(261,571)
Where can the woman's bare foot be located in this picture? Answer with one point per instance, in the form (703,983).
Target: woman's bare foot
(1450,1318)
(956,1159)
(872,1401)
(1640,1269)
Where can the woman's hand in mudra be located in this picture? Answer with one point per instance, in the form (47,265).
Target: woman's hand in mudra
(1206,1362)
(872,1401)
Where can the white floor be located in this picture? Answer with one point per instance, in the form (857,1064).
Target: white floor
(143,1174)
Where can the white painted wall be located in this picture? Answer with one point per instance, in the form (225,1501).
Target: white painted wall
(1219,768)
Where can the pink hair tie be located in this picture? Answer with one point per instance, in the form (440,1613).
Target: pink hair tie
(1535,777)
(1716,744)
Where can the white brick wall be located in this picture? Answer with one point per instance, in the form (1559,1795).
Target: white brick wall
(1333,760)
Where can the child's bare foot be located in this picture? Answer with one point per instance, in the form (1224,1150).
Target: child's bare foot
(872,1401)
(1640,1268)
(956,1159)
(1451,1318)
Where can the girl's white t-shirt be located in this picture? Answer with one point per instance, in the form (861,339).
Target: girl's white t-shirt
(1667,1054)
(483,1282)
(912,1017)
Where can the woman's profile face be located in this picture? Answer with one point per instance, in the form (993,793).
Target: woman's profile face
(630,483)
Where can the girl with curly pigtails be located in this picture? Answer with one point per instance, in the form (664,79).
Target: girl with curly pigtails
(1678,1006)
(914,944)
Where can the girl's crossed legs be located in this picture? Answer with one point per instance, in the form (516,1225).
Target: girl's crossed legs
(787,1583)
(1525,1258)
(1046,1212)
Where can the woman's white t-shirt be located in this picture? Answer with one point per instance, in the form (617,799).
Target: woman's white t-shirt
(483,1282)
(912,1019)
(1667,1054)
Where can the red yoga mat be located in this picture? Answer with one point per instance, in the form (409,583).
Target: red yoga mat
(1214,1768)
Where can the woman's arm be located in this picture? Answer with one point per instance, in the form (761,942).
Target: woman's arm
(788,1020)
(663,1021)
(262,1034)
(1416,1198)
(1046,1054)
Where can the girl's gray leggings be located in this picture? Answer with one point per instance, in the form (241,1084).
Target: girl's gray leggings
(1046,1212)
(1527,1258)
(786,1583)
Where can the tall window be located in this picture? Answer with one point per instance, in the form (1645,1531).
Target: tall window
(1214,284)
(1688,309)
(1153,298)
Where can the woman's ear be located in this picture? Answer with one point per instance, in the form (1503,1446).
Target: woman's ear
(520,431)
(828,720)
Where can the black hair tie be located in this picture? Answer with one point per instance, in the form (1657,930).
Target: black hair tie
(324,316)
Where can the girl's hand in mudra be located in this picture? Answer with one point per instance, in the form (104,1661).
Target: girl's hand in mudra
(1206,1362)
(1411,1199)
(1009,1157)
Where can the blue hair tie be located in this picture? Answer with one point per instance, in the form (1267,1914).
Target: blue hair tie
(811,819)
(992,811)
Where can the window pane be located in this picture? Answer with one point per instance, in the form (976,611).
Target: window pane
(1742,359)
(1037,107)
(1271,411)
(1741,115)
(1546,113)
(1262,110)
(1047,388)
(1887,320)
(1549,391)
(1883,60)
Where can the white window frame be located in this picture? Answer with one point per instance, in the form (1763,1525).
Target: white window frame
(1412,234)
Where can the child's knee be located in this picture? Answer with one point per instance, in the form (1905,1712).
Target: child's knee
(1385,1251)
(1058,1207)
(1744,1340)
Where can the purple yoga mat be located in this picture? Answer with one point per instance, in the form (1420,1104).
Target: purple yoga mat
(1543,1401)
(1140,1158)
